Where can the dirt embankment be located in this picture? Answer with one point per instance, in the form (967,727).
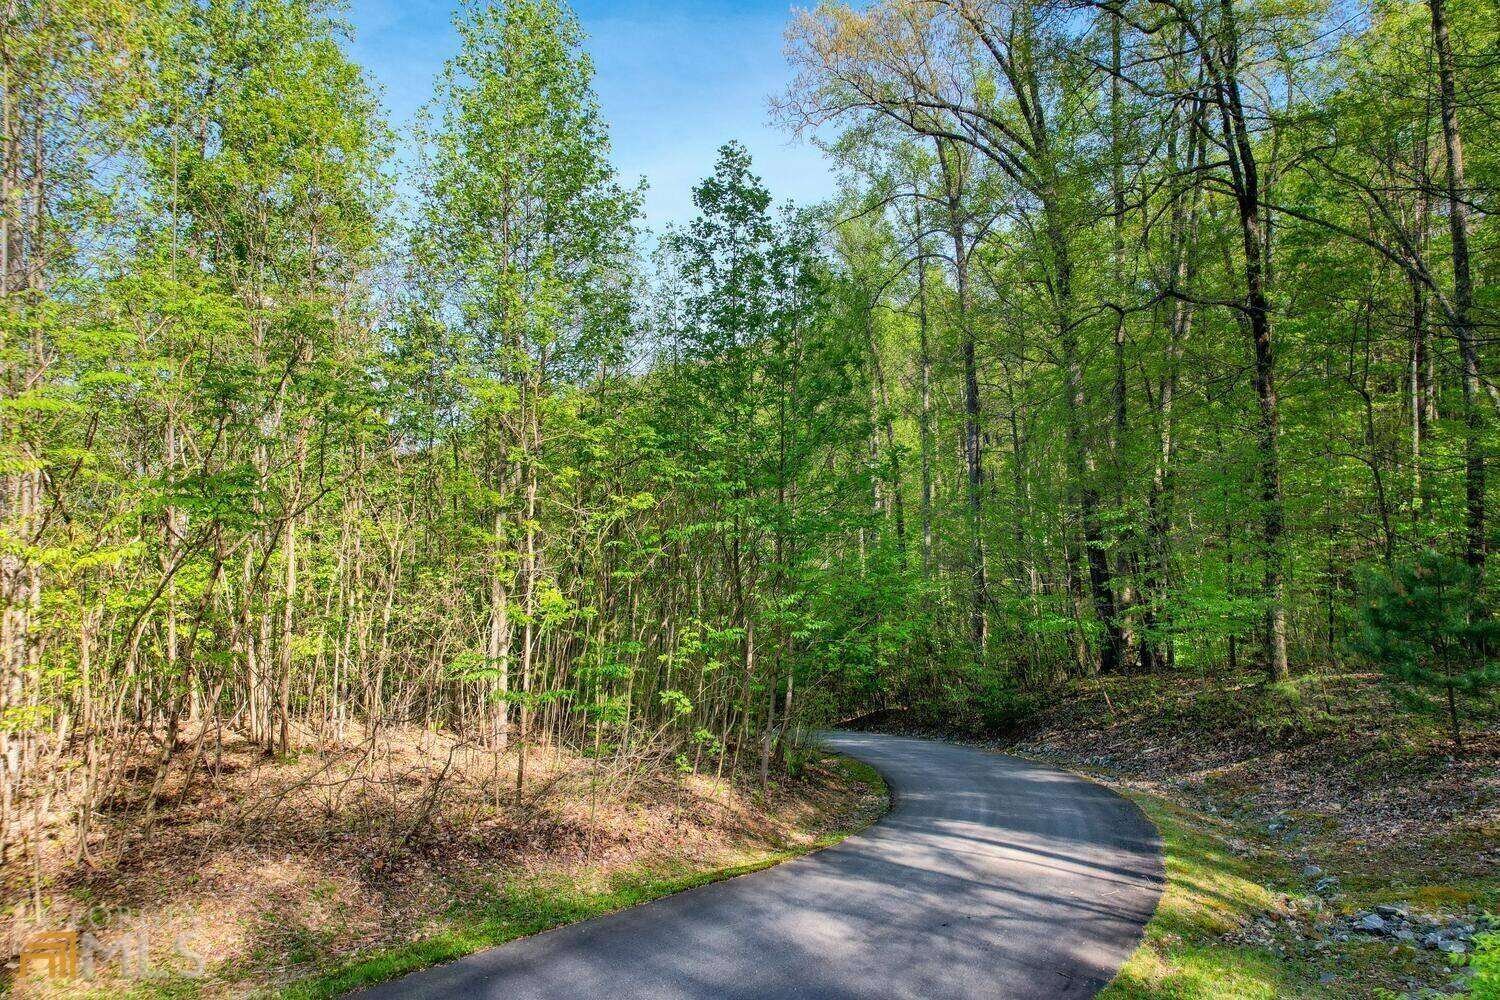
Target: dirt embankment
(276,868)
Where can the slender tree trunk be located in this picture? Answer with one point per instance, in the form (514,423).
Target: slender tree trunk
(1126,562)
(1256,249)
(1083,495)
(892,463)
(1157,652)
(924,371)
(952,168)
(498,651)
(1463,289)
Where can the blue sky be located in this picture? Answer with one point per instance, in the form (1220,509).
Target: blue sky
(675,78)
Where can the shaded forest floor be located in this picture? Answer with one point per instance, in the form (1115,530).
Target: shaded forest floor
(365,858)
(1320,841)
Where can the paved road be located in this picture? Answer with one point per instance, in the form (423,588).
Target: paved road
(990,877)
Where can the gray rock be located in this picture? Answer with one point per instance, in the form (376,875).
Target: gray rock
(1326,886)
(1452,946)
(1327,978)
(1311,871)
(1391,910)
(1370,923)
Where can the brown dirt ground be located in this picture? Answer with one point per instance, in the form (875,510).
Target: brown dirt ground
(326,849)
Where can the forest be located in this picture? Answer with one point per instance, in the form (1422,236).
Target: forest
(1143,338)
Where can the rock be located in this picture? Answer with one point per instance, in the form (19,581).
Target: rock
(1452,946)
(1327,978)
(1326,886)
(1405,935)
(1370,923)
(1311,871)
(1391,910)
(1432,940)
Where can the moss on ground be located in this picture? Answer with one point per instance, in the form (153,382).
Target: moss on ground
(1224,877)
(1211,891)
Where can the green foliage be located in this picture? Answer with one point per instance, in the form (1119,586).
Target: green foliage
(1486,963)
(1427,625)
(280,458)
(676,703)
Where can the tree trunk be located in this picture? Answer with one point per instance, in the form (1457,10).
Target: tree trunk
(1463,289)
(952,167)
(1256,249)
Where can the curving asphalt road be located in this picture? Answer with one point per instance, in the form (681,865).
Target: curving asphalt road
(990,877)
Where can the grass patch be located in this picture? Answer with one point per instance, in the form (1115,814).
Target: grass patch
(529,906)
(1211,890)
(1434,898)
(1222,877)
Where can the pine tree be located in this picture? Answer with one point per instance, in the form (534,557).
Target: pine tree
(1427,626)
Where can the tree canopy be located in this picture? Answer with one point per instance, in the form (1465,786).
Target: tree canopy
(1135,330)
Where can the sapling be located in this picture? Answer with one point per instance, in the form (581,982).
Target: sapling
(1427,626)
